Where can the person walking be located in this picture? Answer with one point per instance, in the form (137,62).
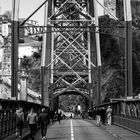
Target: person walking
(43,120)
(32,119)
(98,116)
(109,112)
(94,113)
(103,115)
(19,122)
(59,117)
(51,114)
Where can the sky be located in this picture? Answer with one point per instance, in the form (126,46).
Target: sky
(26,8)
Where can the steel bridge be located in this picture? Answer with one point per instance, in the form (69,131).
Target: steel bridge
(71,57)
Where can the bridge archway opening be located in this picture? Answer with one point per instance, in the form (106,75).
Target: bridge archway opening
(70,93)
(69,101)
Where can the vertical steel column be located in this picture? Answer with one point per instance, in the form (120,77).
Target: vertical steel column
(92,53)
(47,75)
(51,98)
(99,85)
(98,52)
(89,70)
(128,48)
(42,84)
(52,64)
(44,53)
(14,48)
(90,96)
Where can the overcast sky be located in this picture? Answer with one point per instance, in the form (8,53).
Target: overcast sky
(26,8)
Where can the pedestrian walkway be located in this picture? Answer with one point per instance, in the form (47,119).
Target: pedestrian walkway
(25,136)
(119,132)
(25,133)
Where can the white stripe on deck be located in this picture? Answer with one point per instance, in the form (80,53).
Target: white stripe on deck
(72,133)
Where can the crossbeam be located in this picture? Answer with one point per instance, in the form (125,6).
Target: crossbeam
(36,30)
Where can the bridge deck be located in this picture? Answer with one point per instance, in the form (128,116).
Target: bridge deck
(57,130)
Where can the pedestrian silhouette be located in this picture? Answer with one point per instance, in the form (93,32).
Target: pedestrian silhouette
(109,112)
(32,120)
(43,120)
(59,117)
(19,121)
(103,115)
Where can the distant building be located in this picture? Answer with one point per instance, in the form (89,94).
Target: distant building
(5,50)
(116,7)
(25,48)
(111,5)
(5,59)
(135,7)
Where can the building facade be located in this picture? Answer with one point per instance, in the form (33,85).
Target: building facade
(116,7)
(5,69)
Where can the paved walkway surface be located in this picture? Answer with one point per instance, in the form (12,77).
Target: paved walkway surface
(13,136)
(119,132)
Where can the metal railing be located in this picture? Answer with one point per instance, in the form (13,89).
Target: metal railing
(125,113)
(8,118)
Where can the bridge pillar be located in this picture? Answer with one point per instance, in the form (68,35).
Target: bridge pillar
(14,48)
(128,48)
(46,57)
(99,85)
(90,96)
(93,52)
(98,53)
(51,96)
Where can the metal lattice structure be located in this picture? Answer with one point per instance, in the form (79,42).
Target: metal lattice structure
(71,46)
(71,52)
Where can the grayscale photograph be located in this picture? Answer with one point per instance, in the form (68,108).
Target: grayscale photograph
(69,69)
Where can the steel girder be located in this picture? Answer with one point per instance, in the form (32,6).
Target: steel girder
(70,22)
(70,55)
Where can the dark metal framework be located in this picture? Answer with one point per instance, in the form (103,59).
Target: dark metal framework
(7,115)
(125,113)
(71,25)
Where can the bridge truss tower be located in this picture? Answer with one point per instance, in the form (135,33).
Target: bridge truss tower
(71,47)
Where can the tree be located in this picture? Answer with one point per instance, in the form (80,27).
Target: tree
(32,65)
(112,55)
(7,15)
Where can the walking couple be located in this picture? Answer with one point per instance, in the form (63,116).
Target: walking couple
(33,119)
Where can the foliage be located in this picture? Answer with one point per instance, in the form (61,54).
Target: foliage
(112,54)
(70,102)
(32,65)
(7,15)
(112,66)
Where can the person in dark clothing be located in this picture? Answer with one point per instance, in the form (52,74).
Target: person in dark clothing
(19,121)
(59,117)
(44,119)
(94,113)
(51,116)
(98,116)
(103,115)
